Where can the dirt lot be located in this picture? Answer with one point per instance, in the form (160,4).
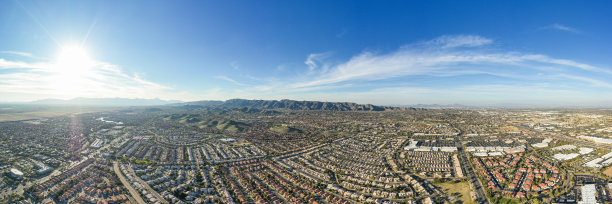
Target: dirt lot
(608,171)
(462,189)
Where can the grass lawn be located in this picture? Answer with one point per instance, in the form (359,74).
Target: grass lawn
(507,201)
(462,188)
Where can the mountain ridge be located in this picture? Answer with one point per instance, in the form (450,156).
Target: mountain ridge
(238,104)
(302,105)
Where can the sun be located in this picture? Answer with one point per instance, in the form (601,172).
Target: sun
(73,60)
(72,70)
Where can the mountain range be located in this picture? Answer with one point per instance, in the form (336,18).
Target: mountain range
(232,103)
(296,105)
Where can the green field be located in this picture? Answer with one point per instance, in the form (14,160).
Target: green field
(507,201)
(285,129)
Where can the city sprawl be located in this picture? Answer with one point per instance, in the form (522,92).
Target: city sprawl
(189,154)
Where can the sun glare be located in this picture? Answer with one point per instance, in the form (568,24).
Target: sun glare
(73,59)
(72,68)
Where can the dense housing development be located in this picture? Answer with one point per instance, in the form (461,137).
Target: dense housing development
(291,153)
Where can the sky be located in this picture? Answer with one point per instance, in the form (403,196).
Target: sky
(384,53)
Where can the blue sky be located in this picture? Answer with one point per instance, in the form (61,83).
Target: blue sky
(391,52)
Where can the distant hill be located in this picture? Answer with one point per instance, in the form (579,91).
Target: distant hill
(104,102)
(252,105)
(285,129)
(202,122)
(229,125)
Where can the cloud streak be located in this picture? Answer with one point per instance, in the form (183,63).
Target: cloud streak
(450,41)
(23,54)
(436,59)
(225,78)
(560,27)
(27,81)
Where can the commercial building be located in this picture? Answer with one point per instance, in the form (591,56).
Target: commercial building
(16,174)
(588,192)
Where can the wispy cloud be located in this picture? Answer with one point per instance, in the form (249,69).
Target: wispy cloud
(35,80)
(560,27)
(8,64)
(23,54)
(453,41)
(591,81)
(225,78)
(314,61)
(435,60)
